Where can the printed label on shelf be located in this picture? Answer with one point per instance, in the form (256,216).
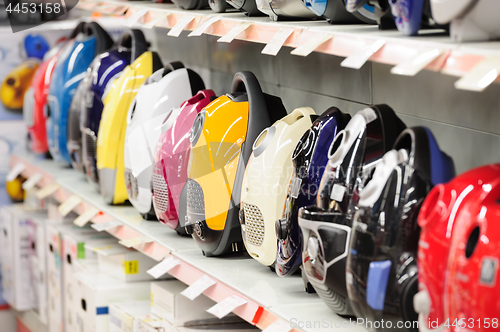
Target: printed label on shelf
(156,20)
(69,205)
(135,241)
(200,29)
(311,44)
(363,54)
(198,287)
(47,190)
(130,267)
(85,217)
(276,43)
(234,32)
(223,308)
(181,25)
(163,267)
(418,62)
(15,172)
(32,181)
(135,17)
(106,225)
(481,76)
(278,326)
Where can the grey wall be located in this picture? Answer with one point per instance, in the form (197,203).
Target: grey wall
(466,124)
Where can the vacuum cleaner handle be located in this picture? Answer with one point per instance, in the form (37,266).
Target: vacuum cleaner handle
(139,42)
(103,40)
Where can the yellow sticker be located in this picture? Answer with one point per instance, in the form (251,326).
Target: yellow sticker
(131,267)
(152,298)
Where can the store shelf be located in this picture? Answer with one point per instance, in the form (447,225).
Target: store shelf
(346,40)
(31,321)
(269,297)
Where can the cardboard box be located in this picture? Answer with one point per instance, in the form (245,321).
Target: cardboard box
(74,251)
(233,327)
(126,264)
(122,315)
(150,323)
(38,265)
(55,254)
(96,292)
(168,304)
(18,289)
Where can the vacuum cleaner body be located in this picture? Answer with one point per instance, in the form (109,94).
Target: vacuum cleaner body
(381,264)
(265,184)
(221,144)
(327,225)
(111,134)
(309,160)
(171,161)
(157,101)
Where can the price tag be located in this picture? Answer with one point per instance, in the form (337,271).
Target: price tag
(481,76)
(85,217)
(69,205)
(47,190)
(278,326)
(163,267)
(226,306)
(15,172)
(200,29)
(313,43)
(135,17)
(181,25)
(196,289)
(234,32)
(295,187)
(135,241)
(158,18)
(32,181)
(276,43)
(416,63)
(106,225)
(360,56)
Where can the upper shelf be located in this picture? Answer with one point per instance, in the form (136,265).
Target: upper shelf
(269,297)
(478,64)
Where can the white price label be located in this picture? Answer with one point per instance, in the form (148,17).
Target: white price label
(163,267)
(200,285)
(69,205)
(363,54)
(85,217)
(234,32)
(416,63)
(47,190)
(223,308)
(278,326)
(200,29)
(135,241)
(295,187)
(135,17)
(311,44)
(481,76)
(15,172)
(277,42)
(181,25)
(158,18)
(32,181)
(338,192)
(106,225)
